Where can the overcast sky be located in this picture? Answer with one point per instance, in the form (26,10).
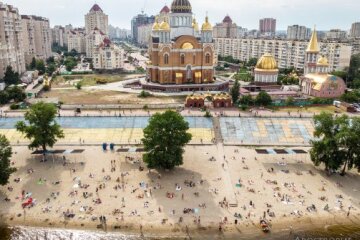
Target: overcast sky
(325,14)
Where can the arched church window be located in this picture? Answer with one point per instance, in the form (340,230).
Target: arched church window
(207,58)
(182,59)
(166,59)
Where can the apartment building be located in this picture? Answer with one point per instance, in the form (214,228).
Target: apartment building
(76,40)
(108,56)
(144,34)
(296,32)
(96,18)
(288,53)
(36,34)
(226,29)
(355,30)
(59,36)
(11,52)
(92,40)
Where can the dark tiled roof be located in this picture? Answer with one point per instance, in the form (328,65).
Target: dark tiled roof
(96,8)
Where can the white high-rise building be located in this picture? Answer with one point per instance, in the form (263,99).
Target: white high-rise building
(296,32)
(93,39)
(36,35)
(11,52)
(355,30)
(288,53)
(76,40)
(96,18)
(58,35)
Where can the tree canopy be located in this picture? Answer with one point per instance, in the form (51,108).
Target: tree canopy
(70,63)
(164,140)
(11,77)
(235,92)
(337,142)
(42,129)
(263,99)
(5,154)
(40,66)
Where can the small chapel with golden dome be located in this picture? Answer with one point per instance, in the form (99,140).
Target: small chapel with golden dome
(181,53)
(266,70)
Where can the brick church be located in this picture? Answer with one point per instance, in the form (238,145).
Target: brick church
(180,52)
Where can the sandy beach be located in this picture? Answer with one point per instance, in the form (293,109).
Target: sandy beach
(227,186)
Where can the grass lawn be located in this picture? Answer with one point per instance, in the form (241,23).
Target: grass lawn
(317,109)
(83,96)
(88,80)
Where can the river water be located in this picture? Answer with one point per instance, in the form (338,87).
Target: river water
(338,232)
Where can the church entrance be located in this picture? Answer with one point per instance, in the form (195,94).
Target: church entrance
(189,77)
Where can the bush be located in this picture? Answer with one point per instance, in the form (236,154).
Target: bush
(14,106)
(78,86)
(144,94)
(244,107)
(317,100)
(101,81)
(46,88)
(207,114)
(145,107)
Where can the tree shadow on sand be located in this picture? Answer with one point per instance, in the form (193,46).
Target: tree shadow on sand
(186,203)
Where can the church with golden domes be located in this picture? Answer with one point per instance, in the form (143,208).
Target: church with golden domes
(317,81)
(181,53)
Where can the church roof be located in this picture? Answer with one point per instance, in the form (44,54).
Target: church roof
(206,25)
(319,79)
(165,9)
(96,8)
(313,44)
(181,6)
(227,19)
(267,62)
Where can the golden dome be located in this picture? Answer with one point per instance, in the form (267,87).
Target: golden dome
(206,26)
(323,61)
(195,25)
(187,45)
(267,62)
(164,26)
(156,26)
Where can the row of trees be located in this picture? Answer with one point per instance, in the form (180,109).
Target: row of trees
(164,137)
(336,143)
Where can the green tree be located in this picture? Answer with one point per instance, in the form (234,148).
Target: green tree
(252,62)
(4,97)
(356,83)
(16,93)
(70,63)
(51,68)
(11,77)
(235,92)
(348,139)
(42,129)
(354,69)
(5,154)
(50,60)
(325,147)
(246,100)
(340,74)
(351,97)
(33,64)
(263,99)
(40,66)
(290,101)
(164,140)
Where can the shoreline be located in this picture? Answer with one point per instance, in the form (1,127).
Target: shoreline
(279,227)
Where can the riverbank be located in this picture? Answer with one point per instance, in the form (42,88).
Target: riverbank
(316,227)
(215,183)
